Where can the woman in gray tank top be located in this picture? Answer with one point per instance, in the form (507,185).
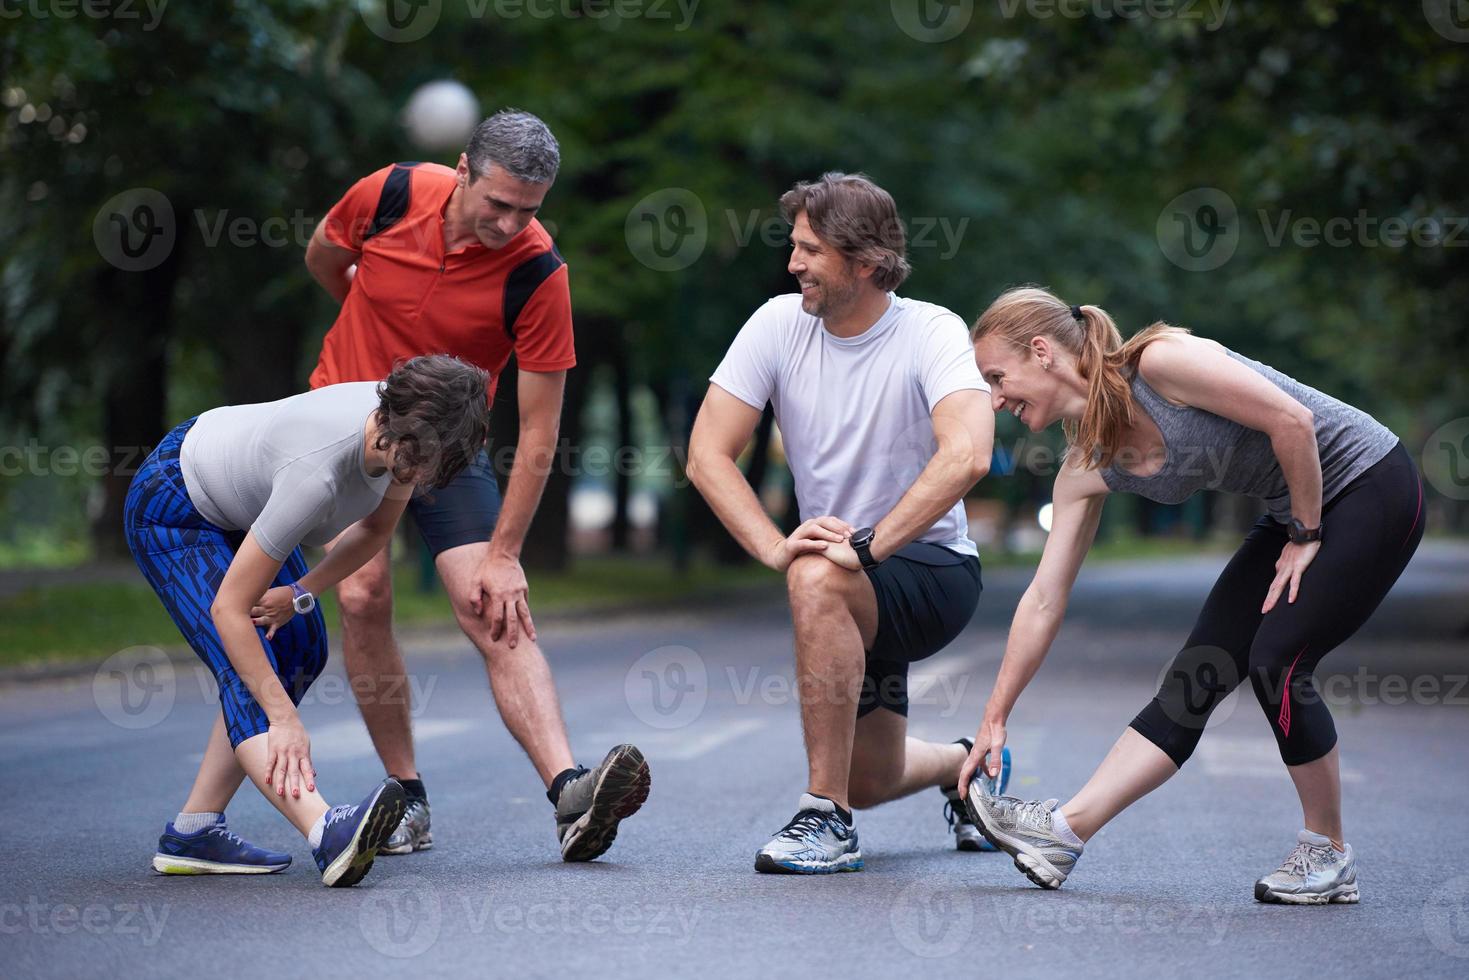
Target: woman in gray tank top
(1164,415)
(215,518)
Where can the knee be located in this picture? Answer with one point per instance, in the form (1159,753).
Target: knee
(813,578)
(868,788)
(366,598)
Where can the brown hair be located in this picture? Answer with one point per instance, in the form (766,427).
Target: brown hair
(857,218)
(1104,361)
(435,410)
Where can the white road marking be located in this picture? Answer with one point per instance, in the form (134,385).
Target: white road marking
(1249,757)
(682,744)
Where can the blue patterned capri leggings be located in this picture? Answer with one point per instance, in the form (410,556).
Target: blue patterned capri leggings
(184,558)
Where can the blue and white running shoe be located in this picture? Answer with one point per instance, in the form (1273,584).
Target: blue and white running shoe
(353,834)
(214,851)
(815,842)
(966,835)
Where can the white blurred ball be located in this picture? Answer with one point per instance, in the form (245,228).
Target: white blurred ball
(441,115)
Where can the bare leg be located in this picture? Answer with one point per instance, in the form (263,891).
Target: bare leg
(1133,769)
(303,811)
(887,764)
(375,664)
(520,679)
(1319,786)
(834,612)
(219,774)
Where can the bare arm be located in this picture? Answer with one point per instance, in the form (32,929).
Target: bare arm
(330,265)
(721,432)
(249,575)
(499,589)
(1077,499)
(358,544)
(1199,373)
(964,427)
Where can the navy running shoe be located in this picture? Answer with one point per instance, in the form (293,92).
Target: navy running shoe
(214,851)
(353,834)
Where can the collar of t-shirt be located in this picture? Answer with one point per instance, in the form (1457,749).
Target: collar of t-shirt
(879,327)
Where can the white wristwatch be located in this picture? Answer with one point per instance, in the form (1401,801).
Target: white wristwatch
(304,601)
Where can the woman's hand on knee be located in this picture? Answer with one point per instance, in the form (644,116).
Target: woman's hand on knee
(288,758)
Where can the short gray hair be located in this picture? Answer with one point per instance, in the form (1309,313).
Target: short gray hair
(519,143)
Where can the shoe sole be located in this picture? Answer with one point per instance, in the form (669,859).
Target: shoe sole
(621,789)
(169,864)
(1343,895)
(384,814)
(1027,860)
(766,864)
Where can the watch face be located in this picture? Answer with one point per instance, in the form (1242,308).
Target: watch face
(862,536)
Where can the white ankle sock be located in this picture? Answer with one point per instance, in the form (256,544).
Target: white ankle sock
(317,828)
(193,823)
(1062,829)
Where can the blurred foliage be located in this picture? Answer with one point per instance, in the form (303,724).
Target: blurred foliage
(1028,148)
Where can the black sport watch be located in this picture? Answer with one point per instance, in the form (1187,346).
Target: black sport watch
(1301,534)
(862,544)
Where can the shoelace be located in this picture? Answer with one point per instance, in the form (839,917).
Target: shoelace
(955,813)
(1032,815)
(225,832)
(1305,859)
(804,826)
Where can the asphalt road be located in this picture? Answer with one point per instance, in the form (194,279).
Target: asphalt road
(94,766)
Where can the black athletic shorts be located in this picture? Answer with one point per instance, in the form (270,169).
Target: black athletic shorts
(463,512)
(926,595)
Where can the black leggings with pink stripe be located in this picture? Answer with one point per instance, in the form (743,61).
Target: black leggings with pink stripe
(1372,528)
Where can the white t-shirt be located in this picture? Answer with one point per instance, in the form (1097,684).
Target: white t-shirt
(855,413)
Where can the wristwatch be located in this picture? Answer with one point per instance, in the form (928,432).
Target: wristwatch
(304,601)
(862,544)
(1301,534)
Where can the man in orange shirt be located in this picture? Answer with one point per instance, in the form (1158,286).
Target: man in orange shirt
(428,260)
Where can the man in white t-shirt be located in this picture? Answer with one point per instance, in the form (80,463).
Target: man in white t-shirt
(886,424)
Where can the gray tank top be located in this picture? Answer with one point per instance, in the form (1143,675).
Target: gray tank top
(1210,452)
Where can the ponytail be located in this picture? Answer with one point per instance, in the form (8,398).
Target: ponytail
(1103,360)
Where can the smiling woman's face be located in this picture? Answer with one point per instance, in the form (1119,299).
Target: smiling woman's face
(1018,383)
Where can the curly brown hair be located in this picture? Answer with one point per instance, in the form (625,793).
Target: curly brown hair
(435,410)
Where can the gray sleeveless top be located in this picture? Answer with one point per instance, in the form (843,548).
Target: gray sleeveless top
(1210,452)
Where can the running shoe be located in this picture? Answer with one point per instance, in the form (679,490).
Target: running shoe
(214,851)
(1023,830)
(1314,873)
(413,833)
(966,835)
(815,842)
(595,801)
(353,834)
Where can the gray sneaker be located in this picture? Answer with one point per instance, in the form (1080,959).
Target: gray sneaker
(595,801)
(1314,873)
(815,842)
(412,833)
(1023,831)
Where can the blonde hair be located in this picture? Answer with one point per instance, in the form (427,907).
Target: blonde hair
(1104,361)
